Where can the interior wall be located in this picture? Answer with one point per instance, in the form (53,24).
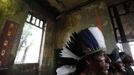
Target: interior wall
(17,11)
(90,15)
(47,67)
(11,9)
(14,10)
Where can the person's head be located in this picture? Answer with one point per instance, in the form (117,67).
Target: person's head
(116,61)
(126,59)
(91,42)
(88,48)
(98,62)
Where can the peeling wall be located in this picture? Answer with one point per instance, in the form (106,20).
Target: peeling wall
(16,11)
(48,54)
(83,18)
(13,10)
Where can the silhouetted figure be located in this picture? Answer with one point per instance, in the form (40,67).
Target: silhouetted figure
(127,60)
(116,67)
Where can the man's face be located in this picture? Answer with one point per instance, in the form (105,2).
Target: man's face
(128,60)
(100,63)
(120,67)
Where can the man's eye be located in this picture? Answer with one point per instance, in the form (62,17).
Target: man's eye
(99,60)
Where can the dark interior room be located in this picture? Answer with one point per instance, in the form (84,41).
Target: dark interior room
(33,33)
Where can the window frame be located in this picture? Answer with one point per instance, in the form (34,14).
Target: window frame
(42,27)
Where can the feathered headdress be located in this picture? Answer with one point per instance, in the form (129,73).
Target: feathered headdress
(122,55)
(115,57)
(81,44)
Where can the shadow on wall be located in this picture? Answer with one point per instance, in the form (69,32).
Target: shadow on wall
(21,69)
(26,69)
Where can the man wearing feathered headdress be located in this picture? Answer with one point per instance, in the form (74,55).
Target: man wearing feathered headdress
(127,60)
(84,54)
(116,67)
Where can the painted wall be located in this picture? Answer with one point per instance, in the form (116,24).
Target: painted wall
(90,15)
(16,11)
(48,54)
(13,10)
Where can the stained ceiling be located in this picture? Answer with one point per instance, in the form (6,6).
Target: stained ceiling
(57,7)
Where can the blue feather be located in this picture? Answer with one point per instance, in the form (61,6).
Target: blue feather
(88,39)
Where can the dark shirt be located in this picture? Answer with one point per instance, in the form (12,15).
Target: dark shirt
(129,70)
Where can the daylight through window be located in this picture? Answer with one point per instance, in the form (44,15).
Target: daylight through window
(30,42)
